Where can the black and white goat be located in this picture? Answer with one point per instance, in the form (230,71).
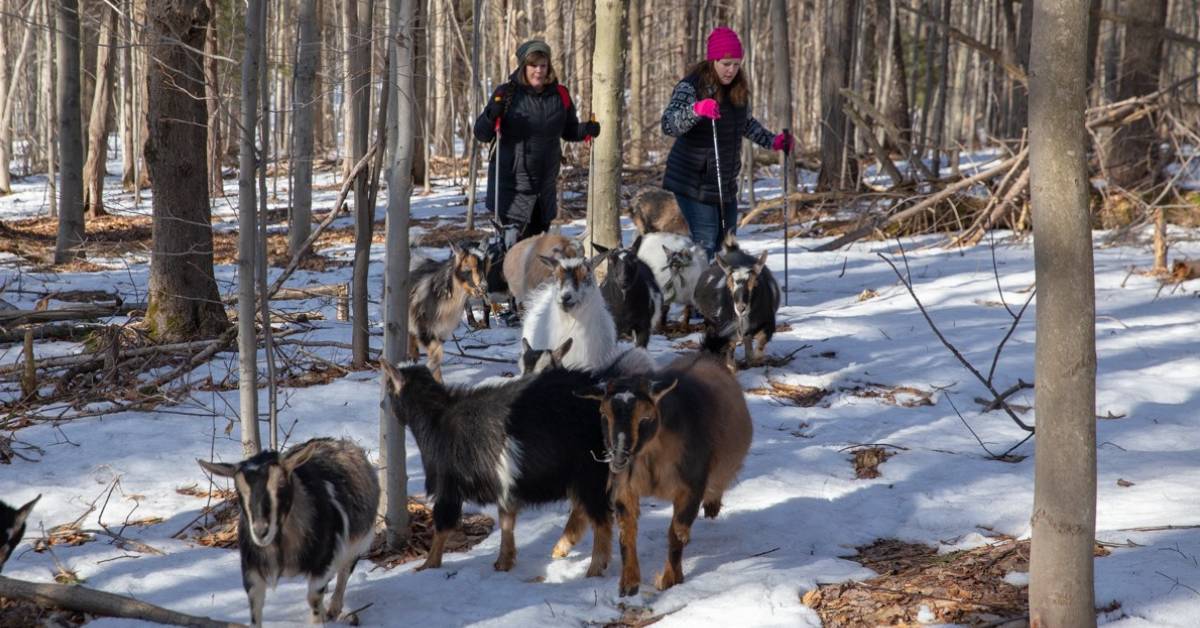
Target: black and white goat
(677,263)
(625,360)
(437,294)
(570,305)
(12,527)
(310,512)
(738,297)
(631,293)
(497,287)
(525,441)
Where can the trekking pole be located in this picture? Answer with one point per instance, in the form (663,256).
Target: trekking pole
(591,219)
(720,191)
(496,181)
(787,209)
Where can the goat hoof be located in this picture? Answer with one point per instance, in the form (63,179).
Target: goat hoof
(667,579)
(596,570)
(429,564)
(561,550)
(503,564)
(627,591)
(712,510)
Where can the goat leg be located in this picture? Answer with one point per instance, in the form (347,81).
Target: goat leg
(679,533)
(631,571)
(572,532)
(601,546)
(414,350)
(761,337)
(256,591)
(434,361)
(434,559)
(339,591)
(748,346)
(317,585)
(508,545)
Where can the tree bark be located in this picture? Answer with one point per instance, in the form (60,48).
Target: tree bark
(94,168)
(893,89)
(393,476)
(475,105)
(837,172)
(305,102)
(1132,151)
(247,232)
(70,137)
(101,603)
(1064,502)
(421,90)
(212,99)
(637,131)
(359,17)
(49,97)
(8,85)
(939,114)
(608,80)
(129,151)
(585,23)
(183,297)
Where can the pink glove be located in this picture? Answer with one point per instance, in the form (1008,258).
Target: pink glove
(707,108)
(784,142)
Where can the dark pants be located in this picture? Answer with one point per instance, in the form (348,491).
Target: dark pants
(707,228)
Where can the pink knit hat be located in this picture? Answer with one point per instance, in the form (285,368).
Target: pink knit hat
(723,42)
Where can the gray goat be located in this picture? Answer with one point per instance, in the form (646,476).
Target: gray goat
(310,511)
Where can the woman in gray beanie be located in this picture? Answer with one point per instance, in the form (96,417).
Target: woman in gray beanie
(532,112)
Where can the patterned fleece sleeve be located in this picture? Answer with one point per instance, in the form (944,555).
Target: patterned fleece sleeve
(757,133)
(678,118)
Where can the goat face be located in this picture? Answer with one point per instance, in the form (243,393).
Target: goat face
(538,360)
(629,407)
(12,527)
(470,268)
(678,260)
(493,265)
(740,281)
(264,488)
(573,277)
(623,267)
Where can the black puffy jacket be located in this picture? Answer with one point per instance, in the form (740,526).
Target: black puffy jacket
(530,153)
(692,165)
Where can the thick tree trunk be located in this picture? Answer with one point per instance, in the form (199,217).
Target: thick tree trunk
(359,16)
(70,136)
(247,231)
(1064,501)
(94,168)
(838,171)
(1132,151)
(554,33)
(393,477)
(184,302)
(305,102)
(608,79)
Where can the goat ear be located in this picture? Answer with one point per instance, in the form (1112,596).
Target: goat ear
(724,266)
(596,246)
(526,347)
(296,458)
(637,244)
(549,261)
(218,468)
(761,263)
(658,390)
(562,349)
(730,241)
(23,512)
(394,377)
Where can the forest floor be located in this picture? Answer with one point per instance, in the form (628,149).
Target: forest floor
(868,496)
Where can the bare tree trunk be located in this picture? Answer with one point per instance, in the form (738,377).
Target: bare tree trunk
(585,22)
(1132,152)
(474,106)
(183,299)
(359,16)
(939,114)
(212,96)
(8,85)
(93,169)
(51,109)
(421,89)
(349,17)
(781,101)
(554,30)
(1064,501)
(836,172)
(247,231)
(70,137)
(5,143)
(608,79)
(305,101)
(129,151)
(393,476)
(637,132)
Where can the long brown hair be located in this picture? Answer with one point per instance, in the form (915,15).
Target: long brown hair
(737,92)
(533,58)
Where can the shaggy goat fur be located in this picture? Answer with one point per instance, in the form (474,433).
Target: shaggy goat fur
(624,360)
(631,293)
(496,287)
(571,306)
(738,297)
(655,210)
(12,527)
(522,269)
(310,512)
(677,263)
(437,294)
(680,435)
(530,440)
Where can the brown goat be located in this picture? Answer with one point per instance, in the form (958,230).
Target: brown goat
(656,211)
(437,294)
(681,434)
(524,271)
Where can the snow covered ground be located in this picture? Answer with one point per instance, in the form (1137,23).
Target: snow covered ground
(797,507)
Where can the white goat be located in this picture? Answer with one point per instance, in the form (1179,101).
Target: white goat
(571,306)
(677,263)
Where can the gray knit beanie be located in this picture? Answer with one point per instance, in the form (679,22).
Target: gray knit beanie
(531,46)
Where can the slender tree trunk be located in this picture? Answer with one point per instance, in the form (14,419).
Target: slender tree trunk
(836,172)
(1064,501)
(637,132)
(421,88)
(247,231)
(585,23)
(183,299)
(1132,151)
(349,15)
(475,106)
(70,136)
(359,15)
(8,85)
(781,101)
(608,80)
(305,102)
(212,96)
(554,31)
(5,143)
(939,114)
(393,477)
(93,169)
(129,151)
(51,109)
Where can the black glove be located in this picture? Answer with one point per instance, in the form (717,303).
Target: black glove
(591,128)
(495,106)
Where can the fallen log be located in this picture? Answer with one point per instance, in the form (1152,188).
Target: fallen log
(94,602)
(73,313)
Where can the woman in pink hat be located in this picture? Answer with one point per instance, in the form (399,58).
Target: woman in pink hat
(715,93)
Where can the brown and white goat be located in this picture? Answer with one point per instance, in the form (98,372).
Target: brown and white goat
(682,435)
(655,210)
(523,268)
(437,294)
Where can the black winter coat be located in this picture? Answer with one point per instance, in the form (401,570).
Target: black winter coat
(530,153)
(692,165)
